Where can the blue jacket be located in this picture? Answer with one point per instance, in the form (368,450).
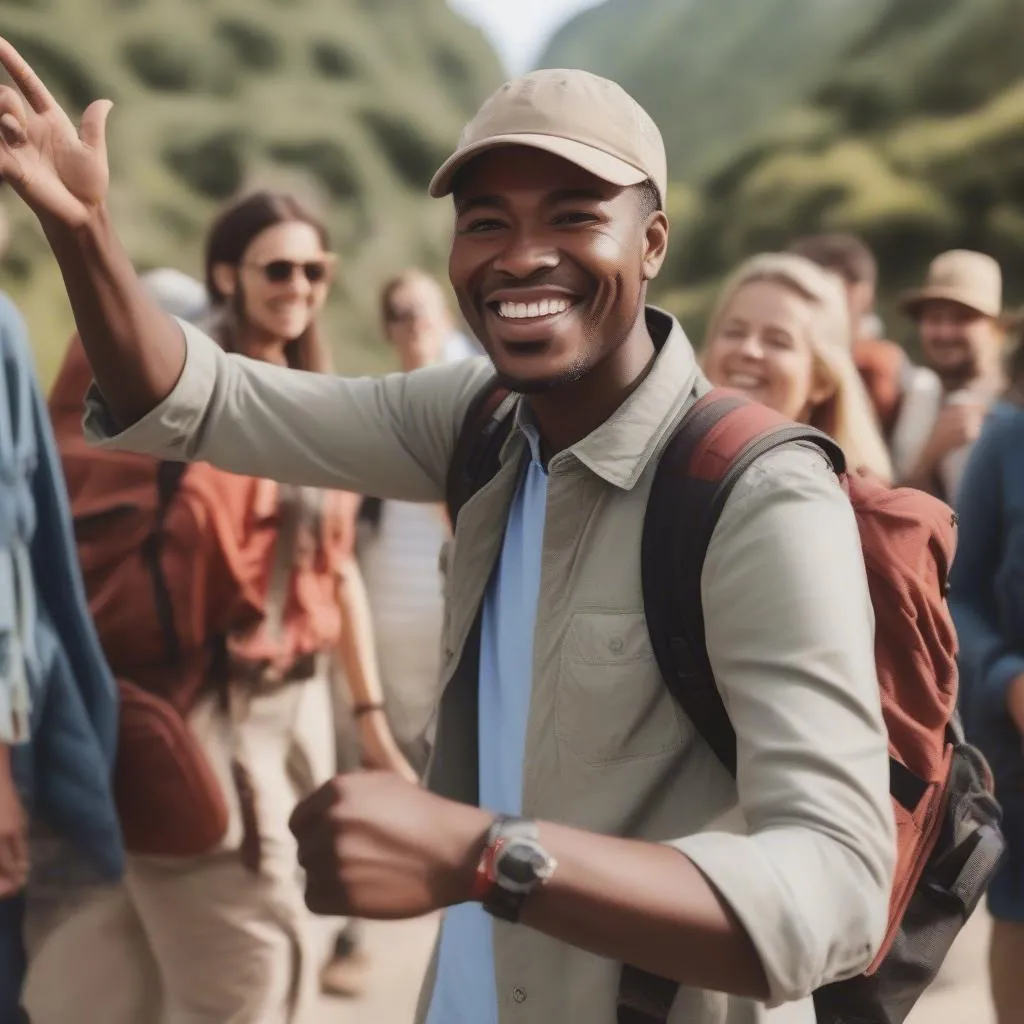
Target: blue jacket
(51,663)
(987,601)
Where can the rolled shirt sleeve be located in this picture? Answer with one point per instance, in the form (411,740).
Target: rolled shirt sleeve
(790,634)
(390,437)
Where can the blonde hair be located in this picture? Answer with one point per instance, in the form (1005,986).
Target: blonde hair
(847,416)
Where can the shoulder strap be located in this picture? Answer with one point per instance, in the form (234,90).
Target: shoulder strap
(168,480)
(716,442)
(370,511)
(476,457)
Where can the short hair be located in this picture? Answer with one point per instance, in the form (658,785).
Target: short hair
(178,294)
(400,280)
(845,255)
(648,198)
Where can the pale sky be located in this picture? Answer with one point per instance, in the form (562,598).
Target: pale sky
(518,29)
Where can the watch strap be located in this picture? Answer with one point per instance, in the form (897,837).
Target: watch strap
(498,901)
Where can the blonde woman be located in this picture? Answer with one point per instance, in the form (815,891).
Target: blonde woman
(780,333)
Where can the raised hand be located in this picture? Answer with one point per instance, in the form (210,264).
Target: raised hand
(60,173)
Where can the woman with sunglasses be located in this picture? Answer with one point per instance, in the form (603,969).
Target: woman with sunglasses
(268,272)
(225,936)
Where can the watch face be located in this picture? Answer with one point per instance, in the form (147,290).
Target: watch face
(521,864)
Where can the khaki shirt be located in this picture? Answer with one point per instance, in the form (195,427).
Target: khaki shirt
(802,846)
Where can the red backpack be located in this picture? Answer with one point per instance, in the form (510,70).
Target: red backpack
(177,562)
(948,822)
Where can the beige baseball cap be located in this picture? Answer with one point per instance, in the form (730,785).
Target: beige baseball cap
(972,279)
(587,120)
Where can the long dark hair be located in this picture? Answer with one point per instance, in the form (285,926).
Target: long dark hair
(230,236)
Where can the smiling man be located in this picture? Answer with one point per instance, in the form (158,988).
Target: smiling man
(958,314)
(575,821)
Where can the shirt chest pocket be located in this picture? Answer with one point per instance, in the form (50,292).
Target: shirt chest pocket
(612,705)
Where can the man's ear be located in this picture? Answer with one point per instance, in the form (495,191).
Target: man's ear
(225,278)
(655,245)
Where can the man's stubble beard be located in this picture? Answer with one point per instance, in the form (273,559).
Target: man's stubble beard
(572,375)
(576,371)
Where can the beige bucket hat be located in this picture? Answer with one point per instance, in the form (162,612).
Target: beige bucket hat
(585,119)
(969,278)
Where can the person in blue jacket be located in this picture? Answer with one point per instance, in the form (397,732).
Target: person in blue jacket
(987,600)
(58,700)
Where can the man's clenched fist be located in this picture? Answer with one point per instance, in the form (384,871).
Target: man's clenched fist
(376,846)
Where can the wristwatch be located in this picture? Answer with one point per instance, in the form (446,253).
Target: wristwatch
(512,865)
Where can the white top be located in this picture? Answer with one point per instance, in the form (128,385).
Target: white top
(400,566)
(923,400)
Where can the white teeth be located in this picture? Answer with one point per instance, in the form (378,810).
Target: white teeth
(532,310)
(744,380)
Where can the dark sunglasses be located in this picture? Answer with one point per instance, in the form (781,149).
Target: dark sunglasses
(279,271)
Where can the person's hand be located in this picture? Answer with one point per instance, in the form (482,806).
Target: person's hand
(957,425)
(379,749)
(61,174)
(377,847)
(13,839)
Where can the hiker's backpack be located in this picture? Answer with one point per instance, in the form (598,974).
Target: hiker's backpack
(948,822)
(161,602)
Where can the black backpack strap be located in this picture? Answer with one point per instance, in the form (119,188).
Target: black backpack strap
(168,480)
(721,437)
(476,458)
(370,511)
(715,443)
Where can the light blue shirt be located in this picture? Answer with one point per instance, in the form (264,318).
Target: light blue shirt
(465,992)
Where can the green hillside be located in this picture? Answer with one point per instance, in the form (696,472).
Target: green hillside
(352,103)
(915,142)
(911,133)
(712,73)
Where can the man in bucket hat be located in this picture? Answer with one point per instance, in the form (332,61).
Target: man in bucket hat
(568,797)
(958,313)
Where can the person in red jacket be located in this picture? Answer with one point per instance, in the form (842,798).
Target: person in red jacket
(226,930)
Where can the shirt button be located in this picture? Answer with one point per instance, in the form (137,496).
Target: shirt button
(616,644)
(519,994)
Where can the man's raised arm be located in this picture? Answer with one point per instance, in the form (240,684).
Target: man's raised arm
(137,352)
(173,393)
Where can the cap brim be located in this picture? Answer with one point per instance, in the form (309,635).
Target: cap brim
(911,303)
(602,165)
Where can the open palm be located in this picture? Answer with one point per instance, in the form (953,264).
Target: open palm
(60,173)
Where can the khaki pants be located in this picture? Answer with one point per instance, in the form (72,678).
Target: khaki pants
(181,944)
(199,940)
(1006,965)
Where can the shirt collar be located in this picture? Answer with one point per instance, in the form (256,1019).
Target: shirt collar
(619,449)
